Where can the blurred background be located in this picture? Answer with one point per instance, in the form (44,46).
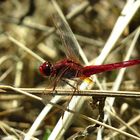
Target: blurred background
(31,23)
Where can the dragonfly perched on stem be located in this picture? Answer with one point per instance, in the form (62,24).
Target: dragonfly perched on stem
(70,67)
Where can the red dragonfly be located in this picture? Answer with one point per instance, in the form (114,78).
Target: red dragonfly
(70,67)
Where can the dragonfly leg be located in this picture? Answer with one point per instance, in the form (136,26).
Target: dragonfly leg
(75,88)
(65,81)
(73,91)
(59,77)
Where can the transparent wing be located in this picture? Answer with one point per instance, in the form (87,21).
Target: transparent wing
(72,47)
(72,52)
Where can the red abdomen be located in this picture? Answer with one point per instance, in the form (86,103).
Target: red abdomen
(90,70)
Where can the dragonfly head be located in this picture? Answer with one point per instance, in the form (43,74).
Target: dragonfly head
(45,68)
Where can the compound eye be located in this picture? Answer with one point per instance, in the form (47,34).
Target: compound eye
(46,68)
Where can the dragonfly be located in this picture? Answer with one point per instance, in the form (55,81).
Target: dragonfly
(70,67)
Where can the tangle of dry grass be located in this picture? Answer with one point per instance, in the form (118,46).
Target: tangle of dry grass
(28,37)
